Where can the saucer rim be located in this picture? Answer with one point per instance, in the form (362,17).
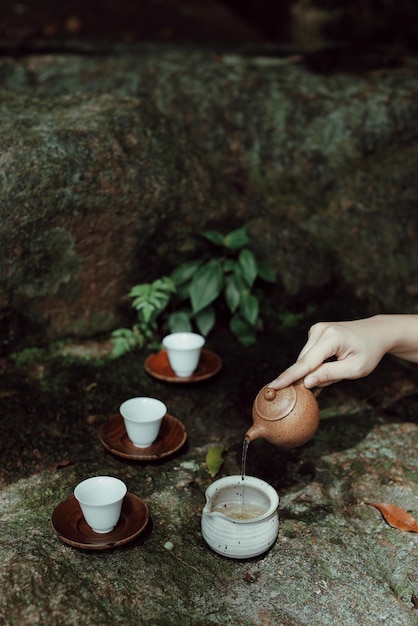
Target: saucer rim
(101,542)
(140,454)
(194,378)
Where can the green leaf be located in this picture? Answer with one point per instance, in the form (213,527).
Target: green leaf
(139,302)
(206,285)
(237,239)
(214,236)
(163,285)
(214,459)
(125,339)
(147,311)
(183,292)
(156,295)
(184,272)
(248,265)
(230,266)
(139,291)
(244,332)
(122,332)
(120,347)
(232,293)
(148,329)
(249,308)
(266,272)
(205,320)
(179,322)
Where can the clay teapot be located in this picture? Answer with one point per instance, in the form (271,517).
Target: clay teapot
(286,417)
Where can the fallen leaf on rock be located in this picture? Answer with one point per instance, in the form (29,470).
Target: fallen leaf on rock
(61,464)
(396,517)
(214,459)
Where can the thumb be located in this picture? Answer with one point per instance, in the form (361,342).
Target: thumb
(326,374)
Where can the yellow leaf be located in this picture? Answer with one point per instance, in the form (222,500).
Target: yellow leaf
(214,459)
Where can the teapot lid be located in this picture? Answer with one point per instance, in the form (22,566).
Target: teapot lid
(271,404)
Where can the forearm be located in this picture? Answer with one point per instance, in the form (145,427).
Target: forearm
(400,335)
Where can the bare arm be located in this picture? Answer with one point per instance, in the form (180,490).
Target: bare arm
(358,346)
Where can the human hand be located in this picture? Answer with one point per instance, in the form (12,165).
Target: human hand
(357,347)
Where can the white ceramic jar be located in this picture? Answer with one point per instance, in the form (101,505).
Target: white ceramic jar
(240,518)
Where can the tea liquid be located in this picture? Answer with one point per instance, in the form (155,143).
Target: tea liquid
(240,510)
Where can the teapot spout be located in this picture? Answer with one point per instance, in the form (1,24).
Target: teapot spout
(255,432)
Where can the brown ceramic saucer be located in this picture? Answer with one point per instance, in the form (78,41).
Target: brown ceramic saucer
(158,366)
(171,437)
(69,524)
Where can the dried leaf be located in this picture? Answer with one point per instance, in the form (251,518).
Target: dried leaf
(414,601)
(214,459)
(61,464)
(396,517)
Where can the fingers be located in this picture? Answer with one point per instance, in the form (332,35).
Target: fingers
(321,376)
(326,374)
(312,364)
(314,336)
(335,351)
(293,373)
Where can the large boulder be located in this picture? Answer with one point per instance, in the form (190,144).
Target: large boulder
(96,191)
(111,165)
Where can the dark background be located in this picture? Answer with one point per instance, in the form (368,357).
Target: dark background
(292,23)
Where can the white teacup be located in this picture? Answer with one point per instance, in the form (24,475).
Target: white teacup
(183,350)
(100,499)
(143,417)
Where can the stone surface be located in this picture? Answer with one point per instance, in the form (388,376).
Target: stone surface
(336,560)
(89,205)
(323,168)
(151,140)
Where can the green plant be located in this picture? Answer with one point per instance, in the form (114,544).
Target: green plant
(198,290)
(149,300)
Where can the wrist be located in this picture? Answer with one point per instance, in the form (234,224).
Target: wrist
(399,335)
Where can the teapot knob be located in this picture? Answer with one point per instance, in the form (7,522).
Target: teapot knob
(269,393)
(273,405)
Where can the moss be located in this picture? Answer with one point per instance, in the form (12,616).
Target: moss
(52,408)
(49,260)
